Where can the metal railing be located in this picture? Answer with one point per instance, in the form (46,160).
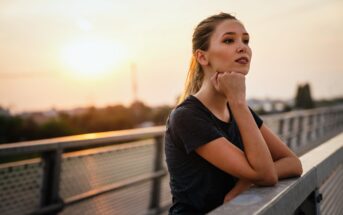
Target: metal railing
(52,157)
(317,191)
(121,171)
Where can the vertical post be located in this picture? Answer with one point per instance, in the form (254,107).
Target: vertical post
(300,131)
(156,184)
(281,127)
(51,179)
(321,125)
(309,128)
(291,137)
(311,204)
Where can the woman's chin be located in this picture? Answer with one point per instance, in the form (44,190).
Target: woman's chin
(243,70)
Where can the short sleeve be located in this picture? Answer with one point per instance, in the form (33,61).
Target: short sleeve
(193,128)
(257,118)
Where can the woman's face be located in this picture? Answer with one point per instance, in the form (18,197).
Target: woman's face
(229,48)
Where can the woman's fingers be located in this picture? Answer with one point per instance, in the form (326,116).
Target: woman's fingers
(214,80)
(232,85)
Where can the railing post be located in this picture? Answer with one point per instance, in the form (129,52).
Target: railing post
(154,205)
(280,129)
(311,204)
(51,179)
(300,131)
(290,133)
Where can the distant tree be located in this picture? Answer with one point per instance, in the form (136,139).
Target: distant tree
(15,129)
(10,128)
(160,115)
(287,108)
(140,112)
(260,111)
(55,128)
(328,102)
(87,120)
(303,98)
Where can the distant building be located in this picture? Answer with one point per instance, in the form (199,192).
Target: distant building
(76,111)
(41,117)
(270,106)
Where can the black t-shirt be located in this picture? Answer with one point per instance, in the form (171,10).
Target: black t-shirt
(196,185)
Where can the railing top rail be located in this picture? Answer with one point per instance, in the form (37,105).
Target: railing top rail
(80,141)
(107,138)
(288,194)
(297,113)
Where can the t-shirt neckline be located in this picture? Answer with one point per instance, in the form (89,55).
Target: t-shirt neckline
(227,104)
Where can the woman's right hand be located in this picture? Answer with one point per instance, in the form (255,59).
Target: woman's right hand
(231,84)
(240,187)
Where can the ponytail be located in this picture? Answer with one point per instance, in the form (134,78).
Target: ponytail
(194,80)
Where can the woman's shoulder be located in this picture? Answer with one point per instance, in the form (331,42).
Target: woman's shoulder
(189,108)
(187,112)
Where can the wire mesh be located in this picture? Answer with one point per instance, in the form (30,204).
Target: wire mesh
(332,191)
(20,187)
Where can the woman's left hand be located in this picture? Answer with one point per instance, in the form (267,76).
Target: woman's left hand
(240,186)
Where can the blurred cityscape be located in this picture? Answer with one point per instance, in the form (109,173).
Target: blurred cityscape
(55,123)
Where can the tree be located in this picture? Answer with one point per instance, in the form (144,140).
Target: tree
(303,98)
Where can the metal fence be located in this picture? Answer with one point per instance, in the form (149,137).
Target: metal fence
(121,172)
(317,191)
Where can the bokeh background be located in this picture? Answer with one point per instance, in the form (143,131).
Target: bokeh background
(44,60)
(70,55)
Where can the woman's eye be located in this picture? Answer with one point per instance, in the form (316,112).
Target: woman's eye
(246,41)
(228,41)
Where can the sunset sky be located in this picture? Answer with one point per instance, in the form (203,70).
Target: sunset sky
(65,54)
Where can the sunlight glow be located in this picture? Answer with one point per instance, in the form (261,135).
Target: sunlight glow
(92,57)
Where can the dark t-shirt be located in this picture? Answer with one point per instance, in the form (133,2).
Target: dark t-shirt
(196,185)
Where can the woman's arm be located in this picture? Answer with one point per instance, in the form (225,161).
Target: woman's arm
(240,187)
(286,163)
(255,164)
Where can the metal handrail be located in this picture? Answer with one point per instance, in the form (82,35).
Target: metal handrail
(51,151)
(289,194)
(80,141)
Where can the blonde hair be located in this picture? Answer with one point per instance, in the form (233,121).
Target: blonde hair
(200,40)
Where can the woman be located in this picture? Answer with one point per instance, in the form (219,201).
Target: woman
(216,146)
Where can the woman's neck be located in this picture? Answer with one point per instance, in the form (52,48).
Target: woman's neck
(213,100)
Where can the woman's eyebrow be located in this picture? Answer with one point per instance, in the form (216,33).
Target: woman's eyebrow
(234,33)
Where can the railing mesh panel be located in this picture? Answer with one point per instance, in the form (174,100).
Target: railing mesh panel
(20,187)
(133,200)
(98,167)
(332,191)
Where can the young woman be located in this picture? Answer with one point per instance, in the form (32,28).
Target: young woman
(216,146)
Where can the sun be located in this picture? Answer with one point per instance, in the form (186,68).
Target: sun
(92,56)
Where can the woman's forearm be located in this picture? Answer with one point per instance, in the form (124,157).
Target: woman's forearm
(240,187)
(285,168)
(255,147)
(288,167)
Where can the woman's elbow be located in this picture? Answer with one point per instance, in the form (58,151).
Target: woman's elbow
(271,179)
(298,170)
(267,179)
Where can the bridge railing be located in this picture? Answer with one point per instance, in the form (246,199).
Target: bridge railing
(59,179)
(122,171)
(303,130)
(317,191)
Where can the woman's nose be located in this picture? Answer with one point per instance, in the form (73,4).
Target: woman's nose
(241,49)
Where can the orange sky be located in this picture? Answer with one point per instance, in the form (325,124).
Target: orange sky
(43,45)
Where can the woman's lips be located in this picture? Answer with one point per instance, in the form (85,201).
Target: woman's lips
(242,60)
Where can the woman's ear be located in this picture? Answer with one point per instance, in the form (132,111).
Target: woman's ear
(201,57)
